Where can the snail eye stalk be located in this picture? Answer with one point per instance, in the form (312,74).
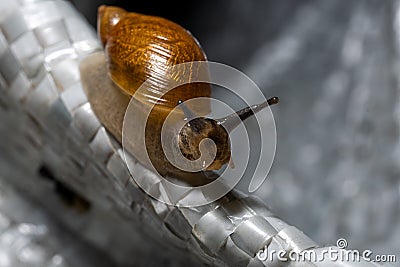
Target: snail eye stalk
(230,122)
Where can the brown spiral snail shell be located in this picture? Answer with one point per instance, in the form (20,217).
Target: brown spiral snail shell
(139,48)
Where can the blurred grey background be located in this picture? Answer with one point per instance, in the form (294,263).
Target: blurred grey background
(335,67)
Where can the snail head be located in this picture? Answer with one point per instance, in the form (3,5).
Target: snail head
(201,128)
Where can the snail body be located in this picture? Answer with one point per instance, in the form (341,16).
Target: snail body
(141,49)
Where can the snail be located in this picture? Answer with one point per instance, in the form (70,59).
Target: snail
(140,48)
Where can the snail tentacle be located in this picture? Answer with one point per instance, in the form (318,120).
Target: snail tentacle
(230,122)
